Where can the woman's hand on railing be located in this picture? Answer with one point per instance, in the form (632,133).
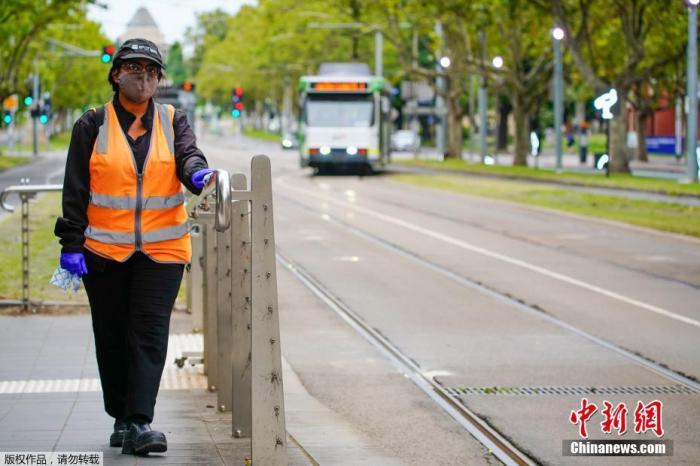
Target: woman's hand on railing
(200,177)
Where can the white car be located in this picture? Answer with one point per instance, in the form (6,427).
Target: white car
(405,140)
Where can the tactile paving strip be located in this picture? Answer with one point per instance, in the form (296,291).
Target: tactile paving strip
(173,377)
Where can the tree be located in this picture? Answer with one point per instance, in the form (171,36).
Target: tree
(175,66)
(474,32)
(73,81)
(620,44)
(21,25)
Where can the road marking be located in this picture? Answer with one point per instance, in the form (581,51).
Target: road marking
(502,257)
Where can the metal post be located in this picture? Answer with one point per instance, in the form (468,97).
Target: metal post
(558,101)
(679,128)
(378,54)
(210,333)
(224,323)
(269,439)
(195,279)
(414,49)
(483,119)
(35,104)
(241,411)
(439,101)
(25,251)
(692,92)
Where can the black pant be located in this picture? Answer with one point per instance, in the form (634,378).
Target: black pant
(131,303)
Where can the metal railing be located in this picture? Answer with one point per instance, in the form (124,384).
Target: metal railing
(233,264)
(26,192)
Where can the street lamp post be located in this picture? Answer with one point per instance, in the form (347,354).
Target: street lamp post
(692,91)
(378,53)
(558,35)
(440,112)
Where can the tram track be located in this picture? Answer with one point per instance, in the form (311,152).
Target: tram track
(505,449)
(531,309)
(488,436)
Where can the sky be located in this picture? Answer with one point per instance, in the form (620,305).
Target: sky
(172,16)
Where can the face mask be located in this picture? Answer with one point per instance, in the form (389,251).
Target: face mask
(139,87)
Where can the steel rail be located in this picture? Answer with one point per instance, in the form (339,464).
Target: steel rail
(636,358)
(501,447)
(27,189)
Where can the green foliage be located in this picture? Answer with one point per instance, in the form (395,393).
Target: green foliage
(175,66)
(73,81)
(269,46)
(23,24)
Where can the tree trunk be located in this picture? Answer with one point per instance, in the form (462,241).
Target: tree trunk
(619,159)
(642,137)
(522,132)
(504,109)
(454,130)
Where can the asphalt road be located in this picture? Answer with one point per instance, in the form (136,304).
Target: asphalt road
(481,293)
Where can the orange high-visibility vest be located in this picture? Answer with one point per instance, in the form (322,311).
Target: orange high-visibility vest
(131,212)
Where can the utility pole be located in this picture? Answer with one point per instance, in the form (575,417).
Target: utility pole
(378,53)
(692,92)
(483,102)
(557,36)
(439,101)
(35,96)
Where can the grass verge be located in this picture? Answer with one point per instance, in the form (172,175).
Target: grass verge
(615,181)
(675,218)
(9,161)
(44,253)
(263,135)
(59,141)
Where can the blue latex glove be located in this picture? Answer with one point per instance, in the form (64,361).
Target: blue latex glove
(200,177)
(74,262)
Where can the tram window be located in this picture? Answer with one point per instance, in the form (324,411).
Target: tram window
(339,110)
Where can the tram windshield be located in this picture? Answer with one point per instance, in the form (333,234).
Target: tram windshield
(339,110)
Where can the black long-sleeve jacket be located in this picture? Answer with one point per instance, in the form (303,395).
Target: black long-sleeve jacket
(76,183)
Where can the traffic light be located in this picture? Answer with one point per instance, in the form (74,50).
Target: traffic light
(187,86)
(7,117)
(107,53)
(28,100)
(237,102)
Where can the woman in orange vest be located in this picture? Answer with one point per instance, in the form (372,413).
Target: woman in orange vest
(124,229)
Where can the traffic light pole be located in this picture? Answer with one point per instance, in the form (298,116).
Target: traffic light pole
(35,96)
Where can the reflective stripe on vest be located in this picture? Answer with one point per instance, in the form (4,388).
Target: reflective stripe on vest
(130,211)
(129,202)
(113,237)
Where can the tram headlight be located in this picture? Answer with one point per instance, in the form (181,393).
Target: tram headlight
(352,150)
(325,150)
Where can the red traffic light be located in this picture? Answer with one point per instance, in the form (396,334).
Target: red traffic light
(238,105)
(109,49)
(238,91)
(187,86)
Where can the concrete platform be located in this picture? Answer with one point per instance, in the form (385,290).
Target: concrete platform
(50,400)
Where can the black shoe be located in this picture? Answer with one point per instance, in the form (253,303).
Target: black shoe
(117,437)
(141,440)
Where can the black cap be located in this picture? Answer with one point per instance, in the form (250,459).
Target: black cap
(139,48)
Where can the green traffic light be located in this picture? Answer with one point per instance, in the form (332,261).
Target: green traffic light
(235,113)
(28,100)
(43,119)
(106,58)
(7,119)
